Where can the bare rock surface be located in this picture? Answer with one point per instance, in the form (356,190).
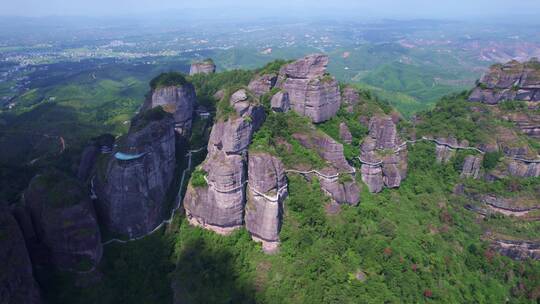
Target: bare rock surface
(267,189)
(471,167)
(383,155)
(132,186)
(178,100)
(17,284)
(510,81)
(350,98)
(262,84)
(443,149)
(345,133)
(517,250)
(64,221)
(280,102)
(219,205)
(203,67)
(312,92)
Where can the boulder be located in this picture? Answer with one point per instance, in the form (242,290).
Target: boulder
(343,189)
(383,155)
(267,189)
(262,84)
(132,184)
(280,102)
(178,100)
(345,133)
(312,92)
(471,167)
(64,221)
(17,284)
(519,168)
(202,67)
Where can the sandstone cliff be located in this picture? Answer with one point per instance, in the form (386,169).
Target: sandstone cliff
(383,155)
(267,189)
(177,98)
(132,184)
(206,66)
(217,203)
(17,284)
(64,222)
(510,81)
(312,92)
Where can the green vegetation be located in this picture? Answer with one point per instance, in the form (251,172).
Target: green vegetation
(273,67)
(146,117)
(198,178)
(60,190)
(491,159)
(168,80)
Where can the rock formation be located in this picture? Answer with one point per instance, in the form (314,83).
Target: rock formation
(267,189)
(17,284)
(262,84)
(280,102)
(132,185)
(64,221)
(471,167)
(350,98)
(206,66)
(218,205)
(511,81)
(521,168)
(338,178)
(517,250)
(312,92)
(383,155)
(345,133)
(179,100)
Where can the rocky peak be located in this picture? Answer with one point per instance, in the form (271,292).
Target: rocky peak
(309,67)
(312,92)
(206,66)
(510,81)
(351,97)
(383,155)
(175,95)
(132,184)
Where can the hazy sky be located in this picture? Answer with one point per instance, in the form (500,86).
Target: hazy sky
(453,9)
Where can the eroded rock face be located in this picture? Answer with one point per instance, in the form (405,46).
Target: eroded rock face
(471,167)
(219,206)
(311,91)
(345,133)
(383,155)
(338,179)
(64,221)
(132,187)
(179,101)
(444,149)
(517,250)
(511,81)
(350,98)
(262,84)
(520,168)
(203,67)
(267,189)
(280,102)
(17,284)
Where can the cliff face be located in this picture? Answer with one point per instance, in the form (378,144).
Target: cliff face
(311,91)
(203,67)
(383,155)
(219,204)
(262,84)
(64,222)
(178,100)
(511,81)
(267,189)
(132,186)
(339,177)
(17,284)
